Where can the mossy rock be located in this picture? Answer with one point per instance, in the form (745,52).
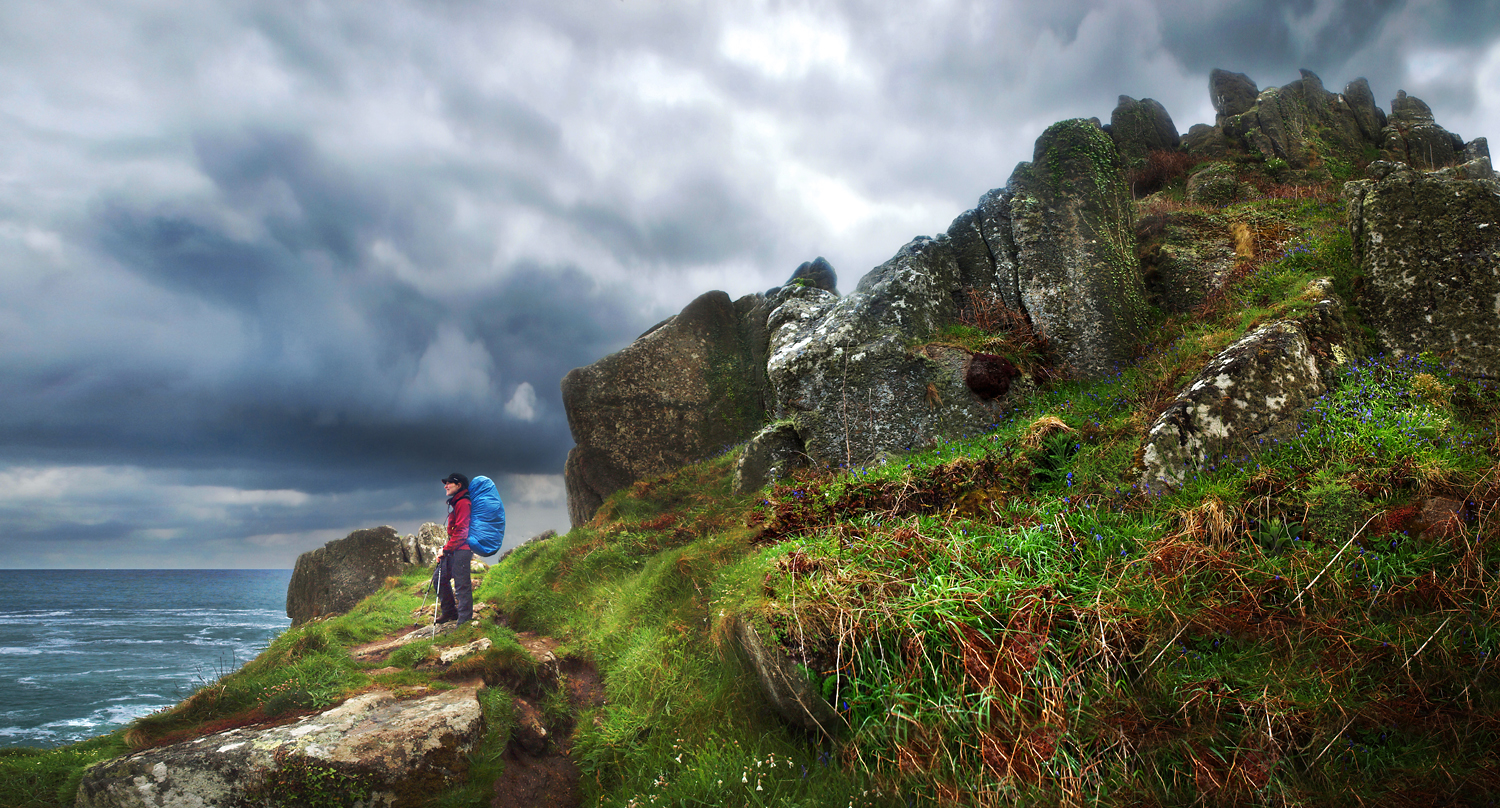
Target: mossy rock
(1215,184)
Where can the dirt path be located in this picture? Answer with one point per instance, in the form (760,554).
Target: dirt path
(539,767)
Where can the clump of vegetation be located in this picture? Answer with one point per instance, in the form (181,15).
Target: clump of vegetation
(1161,170)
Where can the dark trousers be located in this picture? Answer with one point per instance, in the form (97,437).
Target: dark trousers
(455,590)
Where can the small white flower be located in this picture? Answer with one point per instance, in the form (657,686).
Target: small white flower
(757,786)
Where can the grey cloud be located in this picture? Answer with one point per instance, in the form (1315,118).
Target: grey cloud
(257,252)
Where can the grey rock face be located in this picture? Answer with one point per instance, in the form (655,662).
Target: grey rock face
(402,752)
(684,390)
(1076,267)
(1250,392)
(1205,141)
(861,375)
(769,456)
(338,575)
(1284,121)
(1138,127)
(789,692)
(1411,136)
(1231,93)
(851,373)
(1370,118)
(1476,149)
(1429,248)
(1191,260)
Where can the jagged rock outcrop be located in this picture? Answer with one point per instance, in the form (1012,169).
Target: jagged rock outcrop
(1429,248)
(1075,254)
(397,752)
(341,573)
(1368,117)
(1413,137)
(853,378)
(1286,122)
(1303,123)
(693,385)
(1139,127)
(1231,93)
(855,375)
(861,375)
(1248,396)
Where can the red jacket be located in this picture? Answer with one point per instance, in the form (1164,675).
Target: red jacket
(458,521)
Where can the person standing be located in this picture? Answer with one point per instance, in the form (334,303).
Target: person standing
(455,589)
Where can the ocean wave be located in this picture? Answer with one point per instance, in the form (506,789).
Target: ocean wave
(34,651)
(107,716)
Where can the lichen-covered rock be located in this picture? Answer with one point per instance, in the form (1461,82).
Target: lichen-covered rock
(771,455)
(399,753)
(1076,268)
(1250,393)
(786,688)
(1189,257)
(422,548)
(450,655)
(335,577)
(684,390)
(852,374)
(1215,184)
(1429,249)
(1138,127)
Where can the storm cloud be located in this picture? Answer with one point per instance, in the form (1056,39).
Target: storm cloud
(268,270)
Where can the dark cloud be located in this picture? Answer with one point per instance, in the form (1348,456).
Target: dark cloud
(272,269)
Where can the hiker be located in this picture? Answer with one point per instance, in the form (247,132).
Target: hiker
(455,590)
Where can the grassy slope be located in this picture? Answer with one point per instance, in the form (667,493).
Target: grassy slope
(1004,619)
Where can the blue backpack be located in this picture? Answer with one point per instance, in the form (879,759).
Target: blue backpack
(486,517)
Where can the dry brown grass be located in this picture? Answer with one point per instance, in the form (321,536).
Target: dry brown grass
(1040,429)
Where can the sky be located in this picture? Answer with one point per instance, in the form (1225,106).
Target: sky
(269,270)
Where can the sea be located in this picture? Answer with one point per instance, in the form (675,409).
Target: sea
(85,652)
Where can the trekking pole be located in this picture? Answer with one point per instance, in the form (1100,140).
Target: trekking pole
(432,584)
(437,591)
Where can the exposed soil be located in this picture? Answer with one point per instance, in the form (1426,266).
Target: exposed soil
(549,779)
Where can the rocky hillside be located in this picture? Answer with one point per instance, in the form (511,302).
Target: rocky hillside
(1168,475)
(809,376)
